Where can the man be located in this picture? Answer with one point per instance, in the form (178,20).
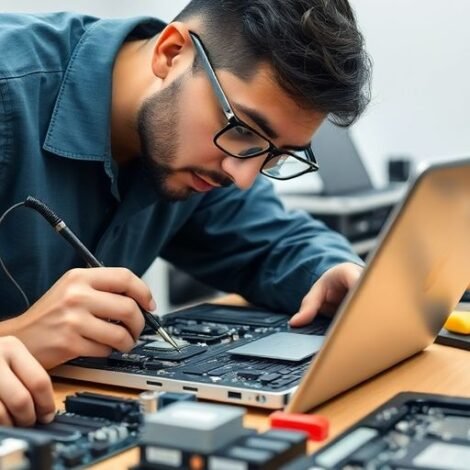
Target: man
(25,388)
(149,140)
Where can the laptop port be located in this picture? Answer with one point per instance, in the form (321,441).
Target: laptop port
(155,384)
(190,389)
(235,395)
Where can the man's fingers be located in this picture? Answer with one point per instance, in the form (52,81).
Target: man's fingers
(335,297)
(88,347)
(17,399)
(327,293)
(352,275)
(108,334)
(5,418)
(122,281)
(36,382)
(119,308)
(310,306)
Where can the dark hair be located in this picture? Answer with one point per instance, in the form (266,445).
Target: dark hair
(314,47)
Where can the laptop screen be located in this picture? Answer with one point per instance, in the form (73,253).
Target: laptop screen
(341,168)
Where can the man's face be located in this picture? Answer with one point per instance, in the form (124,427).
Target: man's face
(177,125)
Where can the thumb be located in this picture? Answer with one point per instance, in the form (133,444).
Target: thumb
(310,305)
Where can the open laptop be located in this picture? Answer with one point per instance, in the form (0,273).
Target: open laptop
(412,282)
(334,148)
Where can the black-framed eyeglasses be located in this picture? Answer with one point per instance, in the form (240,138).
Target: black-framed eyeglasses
(240,140)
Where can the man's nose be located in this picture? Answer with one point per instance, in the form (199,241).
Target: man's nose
(243,170)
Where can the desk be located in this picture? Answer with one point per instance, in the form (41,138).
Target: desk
(439,369)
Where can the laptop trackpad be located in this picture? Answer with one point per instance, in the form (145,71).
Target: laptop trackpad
(282,346)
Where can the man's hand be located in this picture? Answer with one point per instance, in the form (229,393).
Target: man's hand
(87,312)
(327,293)
(25,388)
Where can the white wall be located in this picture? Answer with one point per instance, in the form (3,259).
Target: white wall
(421,92)
(164,9)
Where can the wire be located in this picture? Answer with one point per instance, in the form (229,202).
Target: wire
(2,264)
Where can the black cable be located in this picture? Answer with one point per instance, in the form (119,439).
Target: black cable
(2,264)
(47,213)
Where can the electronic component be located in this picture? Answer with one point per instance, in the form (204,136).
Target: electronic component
(269,450)
(13,454)
(199,427)
(160,345)
(39,446)
(93,427)
(167,398)
(413,431)
(316,426)
(148,401)
(154,350)
(195,332)
(199,436)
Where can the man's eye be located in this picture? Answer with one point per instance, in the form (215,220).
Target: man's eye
(243,131)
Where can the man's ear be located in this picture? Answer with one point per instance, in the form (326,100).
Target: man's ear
(173,50)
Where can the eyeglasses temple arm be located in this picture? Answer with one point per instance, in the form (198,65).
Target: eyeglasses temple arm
(224,103)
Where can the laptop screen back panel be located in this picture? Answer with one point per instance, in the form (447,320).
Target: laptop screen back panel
(342,171)
(412,282)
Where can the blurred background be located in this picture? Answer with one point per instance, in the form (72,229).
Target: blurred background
(419,111)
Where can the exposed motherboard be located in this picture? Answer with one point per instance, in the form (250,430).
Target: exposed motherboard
(93,427)
(218,345)
(413,431)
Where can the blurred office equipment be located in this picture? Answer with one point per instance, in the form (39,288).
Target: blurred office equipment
(399,169)
(348,202)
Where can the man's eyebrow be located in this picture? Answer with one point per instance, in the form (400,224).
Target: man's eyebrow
(263,123)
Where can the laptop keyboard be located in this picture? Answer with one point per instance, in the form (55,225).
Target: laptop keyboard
(206,334)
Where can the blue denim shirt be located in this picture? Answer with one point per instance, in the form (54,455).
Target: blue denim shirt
(55,102)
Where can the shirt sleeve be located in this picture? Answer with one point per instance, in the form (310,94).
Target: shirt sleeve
(246,242)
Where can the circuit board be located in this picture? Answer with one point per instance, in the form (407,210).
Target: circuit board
(215,349)
(412,431)
(92,428)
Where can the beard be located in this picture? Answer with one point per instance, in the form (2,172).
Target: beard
(157,124)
